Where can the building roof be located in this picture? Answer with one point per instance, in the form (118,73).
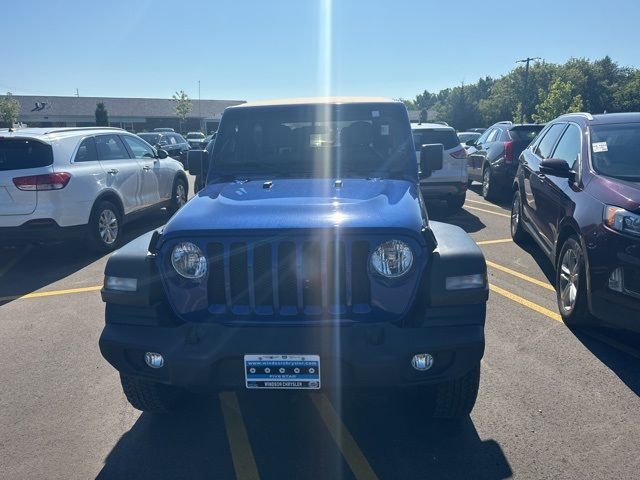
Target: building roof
(45,105)
(316,101)
(56,133)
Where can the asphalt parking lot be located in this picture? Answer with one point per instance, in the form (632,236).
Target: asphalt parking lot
(554,402)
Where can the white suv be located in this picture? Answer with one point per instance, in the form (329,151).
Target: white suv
(61,183)
(450,183)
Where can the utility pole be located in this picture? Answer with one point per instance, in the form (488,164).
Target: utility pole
(199,106)
(525,99)
(77,93)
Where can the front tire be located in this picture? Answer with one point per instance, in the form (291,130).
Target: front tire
(571,284)
(150,396)
(179,195)
(456,398)
(105,227)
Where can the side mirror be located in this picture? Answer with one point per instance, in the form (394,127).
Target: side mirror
(556,167)
(162,153)
(198,162)
(471,143)
(431,157)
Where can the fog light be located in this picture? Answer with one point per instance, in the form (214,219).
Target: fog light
(616,280)
(154,360)
(422,361)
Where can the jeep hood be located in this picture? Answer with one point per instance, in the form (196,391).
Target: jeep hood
(300,204)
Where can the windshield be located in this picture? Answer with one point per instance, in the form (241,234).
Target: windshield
(195,136)
(150,138)
(525,133)
(614,150)
(466,136)
(316,141)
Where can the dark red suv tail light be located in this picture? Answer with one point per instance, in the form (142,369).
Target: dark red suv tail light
(49,181)
(508,152)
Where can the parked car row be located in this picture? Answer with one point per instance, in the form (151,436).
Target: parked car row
(82,183)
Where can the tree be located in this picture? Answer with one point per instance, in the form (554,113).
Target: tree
(424,102)
(9,109)
(627,98)
(560,100)
(181,105)
(102,116)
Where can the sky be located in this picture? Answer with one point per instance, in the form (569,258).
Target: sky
(259,49)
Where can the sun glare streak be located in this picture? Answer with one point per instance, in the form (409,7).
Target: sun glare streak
(326,127)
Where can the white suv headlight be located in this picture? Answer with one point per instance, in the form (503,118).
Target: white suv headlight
(622,220)
(187,259)
(392,259)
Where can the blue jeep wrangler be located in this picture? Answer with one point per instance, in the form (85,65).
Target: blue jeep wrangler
(307,261)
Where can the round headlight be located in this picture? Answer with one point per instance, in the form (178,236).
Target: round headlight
(392,259)
(188,260)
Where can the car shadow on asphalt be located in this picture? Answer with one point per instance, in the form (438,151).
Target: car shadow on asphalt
(190,443)
(439,212)
(289,440)
(32,267)
(401,441)
(623,365)
(503,201)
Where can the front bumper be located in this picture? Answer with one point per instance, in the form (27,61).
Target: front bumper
(608,250)
(353,355)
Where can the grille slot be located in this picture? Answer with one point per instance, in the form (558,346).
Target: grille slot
(287,278)
(304,278)
(215,286)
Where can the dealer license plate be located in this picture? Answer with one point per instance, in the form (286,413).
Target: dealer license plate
(287,372)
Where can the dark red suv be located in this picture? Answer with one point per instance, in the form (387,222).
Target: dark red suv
(577,193)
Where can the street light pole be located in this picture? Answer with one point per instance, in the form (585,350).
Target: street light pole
(526,85)
(199,106)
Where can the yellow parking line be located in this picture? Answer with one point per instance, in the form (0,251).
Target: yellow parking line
(491,242)
(487,211)
(527,303)
(243,462)
(347,445)
(485,203)
(51,293)
(11,263)
(521,276)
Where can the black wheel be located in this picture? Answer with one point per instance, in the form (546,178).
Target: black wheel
(456,398)
(105,227)
(571,284)
(178,195)
(151,396)
(518,232)
(456,203)
(488,187)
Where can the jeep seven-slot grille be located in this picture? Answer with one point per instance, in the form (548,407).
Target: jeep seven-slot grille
(304,278)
